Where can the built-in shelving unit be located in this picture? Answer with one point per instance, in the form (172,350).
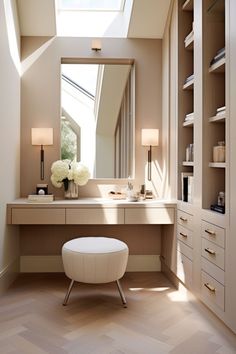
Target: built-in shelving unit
(186,93)
(214,101)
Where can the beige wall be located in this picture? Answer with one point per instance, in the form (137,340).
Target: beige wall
(10,143)
(40,100)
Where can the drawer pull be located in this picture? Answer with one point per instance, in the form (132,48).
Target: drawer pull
(208,250)
(210,287)
(212,233)
(184,235)
(183,219)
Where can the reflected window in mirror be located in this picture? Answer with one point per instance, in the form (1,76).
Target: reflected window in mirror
(97,117)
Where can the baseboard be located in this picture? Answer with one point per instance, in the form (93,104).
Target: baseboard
(53,264)
(9,274)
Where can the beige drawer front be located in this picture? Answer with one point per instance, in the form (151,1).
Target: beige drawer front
(214,271)
(213,253)
(149,215)
(185,235)
(212,290)
(185,219)
(95,216)
(184,269)
(38,216)
(187,251)
(213,233)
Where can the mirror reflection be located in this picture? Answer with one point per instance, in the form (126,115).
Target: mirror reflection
(97,117)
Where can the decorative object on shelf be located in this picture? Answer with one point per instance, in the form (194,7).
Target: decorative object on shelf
(71,174)
(219,152)
(150,137)
(189,153)
(42,187)
(41,137)
(219,55)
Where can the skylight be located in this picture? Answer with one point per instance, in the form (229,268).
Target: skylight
(92,5)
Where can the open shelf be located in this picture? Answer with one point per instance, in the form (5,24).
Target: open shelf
(188,85)
(189,123)
(219,118)
(216,6)
(217,164)
(218,67)
(188,163)
(188,5)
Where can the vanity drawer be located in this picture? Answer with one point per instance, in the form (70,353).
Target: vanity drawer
(184,269)
(186,250)
(185,219)
(149,215)
(213,253)
(38,216)
(94,216)
(214,271)
(213,233)
(212,290)
(185,235)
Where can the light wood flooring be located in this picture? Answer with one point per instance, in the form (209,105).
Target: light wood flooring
(158,320)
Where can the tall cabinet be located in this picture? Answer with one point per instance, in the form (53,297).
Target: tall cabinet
(203,117)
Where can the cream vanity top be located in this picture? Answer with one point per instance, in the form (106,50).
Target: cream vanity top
(91,211)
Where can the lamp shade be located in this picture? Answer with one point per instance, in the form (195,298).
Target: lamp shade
(150,137)
(42,136)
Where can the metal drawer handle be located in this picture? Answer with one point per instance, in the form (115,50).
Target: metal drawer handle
(183,219)
(184,235)
(208,250)
(210,287)
(212,233)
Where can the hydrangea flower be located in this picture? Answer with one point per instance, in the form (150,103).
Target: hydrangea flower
(64,171)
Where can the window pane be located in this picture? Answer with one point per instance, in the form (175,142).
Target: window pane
(107,5)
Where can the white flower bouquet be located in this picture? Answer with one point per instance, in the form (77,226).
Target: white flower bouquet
(64,171)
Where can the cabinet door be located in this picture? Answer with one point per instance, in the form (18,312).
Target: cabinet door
(38,216)
(149,215)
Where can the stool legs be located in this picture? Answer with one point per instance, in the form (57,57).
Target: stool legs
(121,293)
(68,292)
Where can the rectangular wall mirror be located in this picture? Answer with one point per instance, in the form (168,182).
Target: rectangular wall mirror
(97,115)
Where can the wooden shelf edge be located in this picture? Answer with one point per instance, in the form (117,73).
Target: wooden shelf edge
(188,5)
(189,123)
(219,118)
(188,163)
(218,67)
(217,164)
(188,85)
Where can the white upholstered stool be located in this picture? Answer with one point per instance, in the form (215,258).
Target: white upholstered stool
(95,260)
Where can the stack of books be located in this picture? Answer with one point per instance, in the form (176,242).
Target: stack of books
(218,208)
(189,117)
(219,55)
(40,198)
(220,110)
(187,187)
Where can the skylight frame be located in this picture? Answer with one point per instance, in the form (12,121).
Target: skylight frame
(61,8)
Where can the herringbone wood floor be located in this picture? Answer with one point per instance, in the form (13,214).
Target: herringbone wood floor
(158,319)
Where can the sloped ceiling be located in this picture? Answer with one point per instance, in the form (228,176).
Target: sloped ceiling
(148,18)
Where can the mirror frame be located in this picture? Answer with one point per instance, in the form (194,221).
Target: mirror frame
(110,61)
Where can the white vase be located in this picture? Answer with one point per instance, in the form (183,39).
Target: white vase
(73,191)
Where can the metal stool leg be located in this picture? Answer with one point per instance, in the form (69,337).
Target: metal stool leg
(68,292)
(121,293)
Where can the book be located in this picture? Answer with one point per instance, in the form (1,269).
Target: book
(189,116)
(218,208)
(40,198)
(189,78)
(220,109)
(187,186)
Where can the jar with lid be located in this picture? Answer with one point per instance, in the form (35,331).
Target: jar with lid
(219,152)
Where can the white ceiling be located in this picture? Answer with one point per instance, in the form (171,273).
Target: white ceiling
(148,18)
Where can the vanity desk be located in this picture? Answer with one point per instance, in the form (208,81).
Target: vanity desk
(91,211)
(44,227)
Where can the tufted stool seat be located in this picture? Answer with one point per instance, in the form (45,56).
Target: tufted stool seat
(95,260)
